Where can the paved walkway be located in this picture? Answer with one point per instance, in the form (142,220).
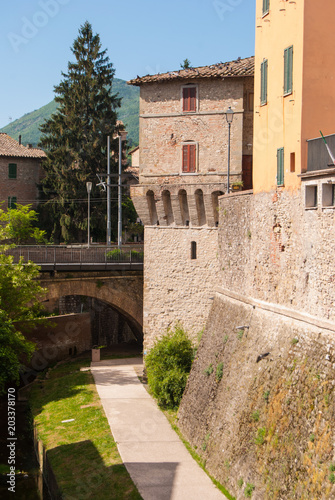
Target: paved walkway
(156,459)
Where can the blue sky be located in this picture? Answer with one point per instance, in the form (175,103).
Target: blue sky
(141,37)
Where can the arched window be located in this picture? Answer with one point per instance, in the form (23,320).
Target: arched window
(166,197)
(199,201)
(183,203)
(215,203)
(152,207)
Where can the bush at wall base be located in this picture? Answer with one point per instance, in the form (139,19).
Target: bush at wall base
(168,365)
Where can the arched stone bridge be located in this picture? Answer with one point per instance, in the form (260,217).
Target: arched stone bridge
(122,290)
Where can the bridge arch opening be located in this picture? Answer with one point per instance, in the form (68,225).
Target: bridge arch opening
(109,326)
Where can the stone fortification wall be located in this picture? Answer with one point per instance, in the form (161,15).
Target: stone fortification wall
(268,422)
(176,287)
(274,249)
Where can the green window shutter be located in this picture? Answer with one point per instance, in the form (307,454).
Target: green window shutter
(264,82)
(288,70)
(266,6)
(280,167)
(12,171)
(12,200)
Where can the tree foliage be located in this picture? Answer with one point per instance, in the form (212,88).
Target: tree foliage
(186,64)
(19,225)
(20,294)
(168,365)
(75,139)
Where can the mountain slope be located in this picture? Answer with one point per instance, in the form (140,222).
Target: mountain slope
(28,125)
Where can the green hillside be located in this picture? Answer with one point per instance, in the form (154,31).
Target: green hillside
(28,125)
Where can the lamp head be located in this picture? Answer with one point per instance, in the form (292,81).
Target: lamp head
(229,115)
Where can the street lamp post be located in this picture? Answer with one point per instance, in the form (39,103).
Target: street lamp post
(229,118)
(122,137)
(89,189)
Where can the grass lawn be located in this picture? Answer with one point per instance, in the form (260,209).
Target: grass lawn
(82,452)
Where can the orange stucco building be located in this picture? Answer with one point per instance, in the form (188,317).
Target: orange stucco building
(294,87)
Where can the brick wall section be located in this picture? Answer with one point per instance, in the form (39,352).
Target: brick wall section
(273,249)
(161,137)
(177,288)
(24,187)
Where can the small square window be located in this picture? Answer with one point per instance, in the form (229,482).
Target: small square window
(12,171)
(311,196)
(328,194)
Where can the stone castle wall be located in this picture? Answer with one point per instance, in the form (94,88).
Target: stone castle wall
(259,403)
(275,249)
(176,287)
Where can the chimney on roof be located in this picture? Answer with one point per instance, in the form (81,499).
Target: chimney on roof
(20,139)
(29,146)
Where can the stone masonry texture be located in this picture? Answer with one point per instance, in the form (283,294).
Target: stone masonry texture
(274,249)
(176,287)
(259,405)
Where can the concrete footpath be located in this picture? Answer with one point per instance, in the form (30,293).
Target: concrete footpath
(152,452)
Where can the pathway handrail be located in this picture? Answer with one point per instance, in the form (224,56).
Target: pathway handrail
(77,254)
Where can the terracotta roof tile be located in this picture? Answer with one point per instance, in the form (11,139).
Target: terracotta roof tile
(238,68)
(10,147)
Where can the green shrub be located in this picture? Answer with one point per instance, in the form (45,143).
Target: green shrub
(255,416)
(168,365)
(248,490)
(209,370)
(259,439)
(115,254)
(219,372)
(240,482)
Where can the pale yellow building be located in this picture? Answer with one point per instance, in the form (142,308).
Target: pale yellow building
(294,87)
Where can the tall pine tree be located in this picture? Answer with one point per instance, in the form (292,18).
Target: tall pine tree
(75,139)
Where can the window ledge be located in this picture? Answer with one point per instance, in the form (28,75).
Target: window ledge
(311,208)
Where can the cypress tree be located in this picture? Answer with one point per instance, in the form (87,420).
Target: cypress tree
(75,140)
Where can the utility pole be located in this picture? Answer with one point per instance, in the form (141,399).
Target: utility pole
(109,223)
(119,219)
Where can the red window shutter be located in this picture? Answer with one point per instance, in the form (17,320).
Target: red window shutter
(185,158)
(189,155)
(192,99)
(189,98)
(192,158)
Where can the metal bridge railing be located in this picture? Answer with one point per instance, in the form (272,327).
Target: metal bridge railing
(61,254)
